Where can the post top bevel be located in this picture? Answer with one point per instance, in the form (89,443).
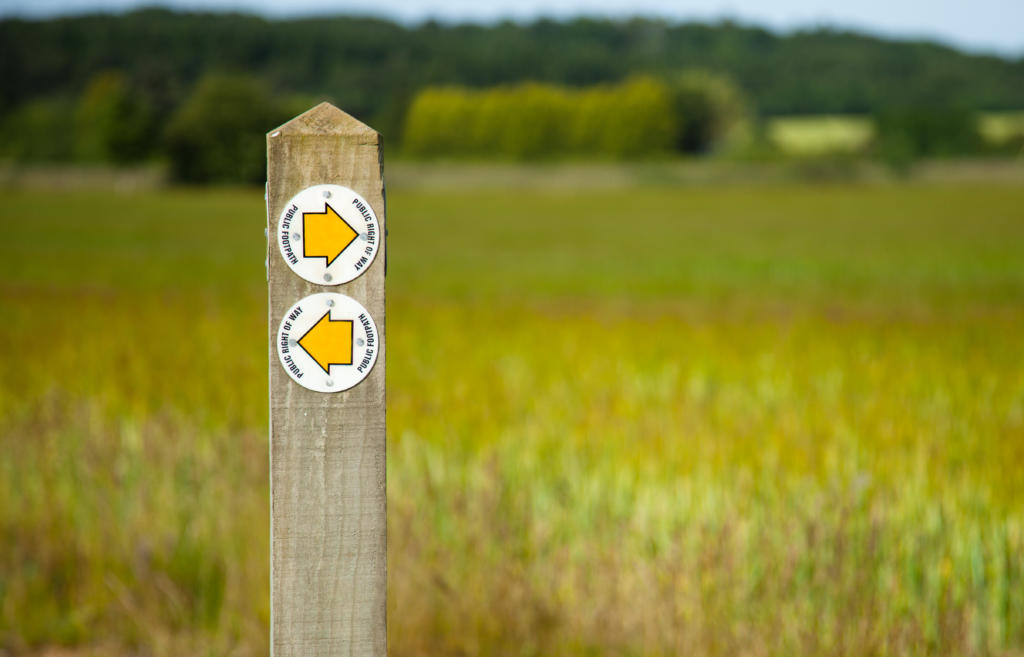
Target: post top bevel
(324,119)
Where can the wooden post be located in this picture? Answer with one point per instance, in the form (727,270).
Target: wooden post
(327,462)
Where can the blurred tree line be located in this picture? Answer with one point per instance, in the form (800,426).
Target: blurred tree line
(643,116)
(200,89)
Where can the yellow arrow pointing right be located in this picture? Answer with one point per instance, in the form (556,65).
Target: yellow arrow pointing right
(329,342)
(327,234)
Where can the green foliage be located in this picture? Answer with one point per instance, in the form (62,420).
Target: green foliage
(902,136)
(534,121)
(109,123)
(441,120)
(113,124)
(40,131)
(712,110)
(525,122)
(218,134)
(372,68)
(632,120)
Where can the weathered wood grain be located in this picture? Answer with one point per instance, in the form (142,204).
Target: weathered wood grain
(327,474)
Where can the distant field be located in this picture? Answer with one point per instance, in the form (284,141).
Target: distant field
(767,419)
(815,135)
(1002,126)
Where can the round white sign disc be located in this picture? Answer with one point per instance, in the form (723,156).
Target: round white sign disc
(328,234)
(327,342)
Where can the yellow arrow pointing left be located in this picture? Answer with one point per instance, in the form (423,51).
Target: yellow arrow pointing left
(329,342)
(327,234)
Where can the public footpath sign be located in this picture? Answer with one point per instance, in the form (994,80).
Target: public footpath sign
(328,234)
(325,276)
(327,342)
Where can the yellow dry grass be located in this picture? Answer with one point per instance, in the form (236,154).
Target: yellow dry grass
(711,421)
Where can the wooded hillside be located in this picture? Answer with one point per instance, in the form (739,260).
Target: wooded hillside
(374,67)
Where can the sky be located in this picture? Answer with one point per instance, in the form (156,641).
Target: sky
(990,26)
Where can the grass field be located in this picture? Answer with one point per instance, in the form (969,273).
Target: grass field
(816,135)
(716,420)
(999,127)
(851,134)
